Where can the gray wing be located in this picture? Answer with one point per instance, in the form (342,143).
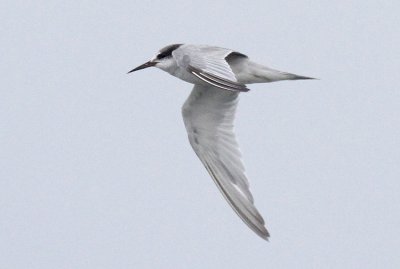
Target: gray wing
(209,64)
(208,115)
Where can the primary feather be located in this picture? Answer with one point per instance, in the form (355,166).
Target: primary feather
(208,115)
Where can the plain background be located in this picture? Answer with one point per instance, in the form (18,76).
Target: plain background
(96,170)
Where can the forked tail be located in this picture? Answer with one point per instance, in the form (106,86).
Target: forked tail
(260,74)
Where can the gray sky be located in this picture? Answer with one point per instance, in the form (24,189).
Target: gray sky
(96,170)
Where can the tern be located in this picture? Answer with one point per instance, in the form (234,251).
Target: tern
(218,75)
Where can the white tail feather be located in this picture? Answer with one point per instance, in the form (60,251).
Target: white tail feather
(255,73)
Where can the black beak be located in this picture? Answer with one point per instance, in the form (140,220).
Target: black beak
(143,66)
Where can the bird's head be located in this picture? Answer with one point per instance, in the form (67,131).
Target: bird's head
(163,59)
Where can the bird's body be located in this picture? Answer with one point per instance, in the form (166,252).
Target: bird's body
(219,75)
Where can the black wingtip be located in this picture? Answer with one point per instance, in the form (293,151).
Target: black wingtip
(265,236)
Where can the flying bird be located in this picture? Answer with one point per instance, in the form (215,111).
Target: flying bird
(218,75)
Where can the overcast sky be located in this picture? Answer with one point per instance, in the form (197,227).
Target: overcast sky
(96,170)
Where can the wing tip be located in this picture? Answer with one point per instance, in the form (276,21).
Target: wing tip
(266,236)
(263,233)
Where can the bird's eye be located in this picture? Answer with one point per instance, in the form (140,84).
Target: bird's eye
(161,55)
